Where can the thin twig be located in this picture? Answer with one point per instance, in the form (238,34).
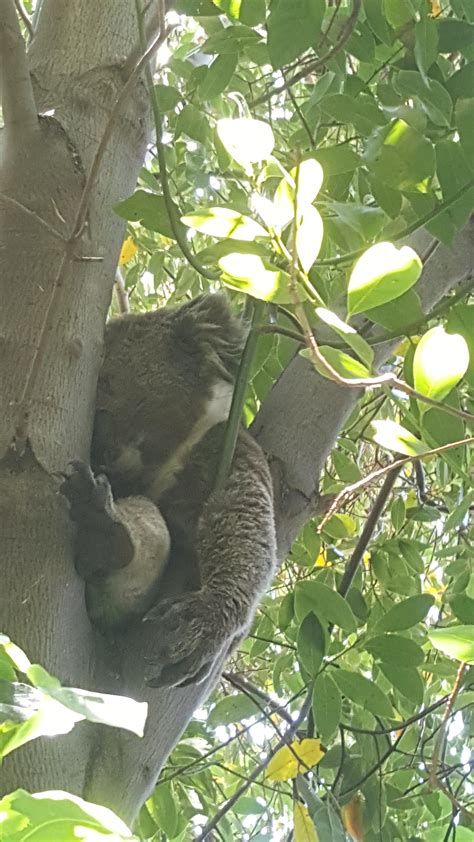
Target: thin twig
(291,730)
(344,36)
(121,293)
(241,683)
(25,17)
(380,472)
(19,107)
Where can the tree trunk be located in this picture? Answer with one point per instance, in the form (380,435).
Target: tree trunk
(51,325)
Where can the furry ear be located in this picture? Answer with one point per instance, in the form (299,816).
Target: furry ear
(208,325)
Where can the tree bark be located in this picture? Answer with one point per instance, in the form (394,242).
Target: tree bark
(51,326)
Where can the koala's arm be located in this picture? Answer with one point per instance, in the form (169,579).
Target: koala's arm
(121,548)
(236,550)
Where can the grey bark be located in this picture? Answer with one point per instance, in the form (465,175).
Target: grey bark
(75,60)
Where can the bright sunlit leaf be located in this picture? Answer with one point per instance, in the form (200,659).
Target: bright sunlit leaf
(342,363)
(440,360)
(309,237)
(247,140)
(304,829)
(310,179)
(383,273)
(294,759)
(129,250)
(456,642)
(224,222)
(249,273)
(348,333)
(394,437)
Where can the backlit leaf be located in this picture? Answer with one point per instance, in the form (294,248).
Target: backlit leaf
(304,829)
(249,273)
(298,757)
(394,437)
(309,237)
(224,222)
(440,360)
(456,642)
(348,333)
(246,140)
(342,363)
(382,274)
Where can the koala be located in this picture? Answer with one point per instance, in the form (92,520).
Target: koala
(148,502)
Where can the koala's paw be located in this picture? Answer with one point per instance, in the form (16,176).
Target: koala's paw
(189,637)
(88,495)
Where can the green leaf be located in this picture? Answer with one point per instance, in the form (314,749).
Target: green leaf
(454,35)
(326,706)
(382,274)
(362,691)
(394,437)
(395,649)
(345,365)
(309,236)
(310,179)
(456,642)
(464,114)
(224,222)
(149,209)
(249,273)
(426,44)
(286,611)
(434,98)
(193,123)
(337,159)
(462,606)
(232,709)
(324,602)
(440,360)
(398,314)
(311,644)
(247,141)
(406,614)
(167,97)
(218,76)
(401,156)
(164,809)
(59,816)
(292,28)
(398,12)
(407,680)
(346,468)
(348,333)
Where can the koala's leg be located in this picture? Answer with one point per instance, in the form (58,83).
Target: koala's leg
(121,547)
(237,554)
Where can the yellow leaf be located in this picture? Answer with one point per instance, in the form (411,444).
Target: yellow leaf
(129,250)
(435,8)
(366,559)
(351,815)
(321,560)
(305,830)
(298,757)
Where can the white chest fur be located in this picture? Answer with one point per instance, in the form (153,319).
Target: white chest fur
(216,410)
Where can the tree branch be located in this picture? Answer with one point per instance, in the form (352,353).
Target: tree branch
(19,108)
(24,16)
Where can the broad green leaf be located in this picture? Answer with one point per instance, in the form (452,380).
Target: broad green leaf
(456,642)
(401,156)
(218,76)
(194,123)
(440,360)
(337,159)
(346,467)
(462,607)
(211,254)
(394,437)
(311,644)
(326,706)
(426,44)
(407,680)
(224,222)
(383,273)
(362,691)
(324,602)
(406,614)
(340,526)
(348,333)
(310,179)
(150,209)
(57,815)
(293,28)
(290,761)
(247,141)
(304,829)
(247,806)
(231,39)
(249,273)
(395,649)
(398,12)
(465,122)
(164,809)
(167,96)
(433,97)
(342,363)
(398,314)
(286,611)
(309,236)
(232,709)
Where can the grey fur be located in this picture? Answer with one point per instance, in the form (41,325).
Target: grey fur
(163,392)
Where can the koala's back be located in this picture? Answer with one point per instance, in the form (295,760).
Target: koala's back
(166,380)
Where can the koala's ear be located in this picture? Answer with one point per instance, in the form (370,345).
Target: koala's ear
(207,326)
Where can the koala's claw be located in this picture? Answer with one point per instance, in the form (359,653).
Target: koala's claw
(188,641)
(85,491)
